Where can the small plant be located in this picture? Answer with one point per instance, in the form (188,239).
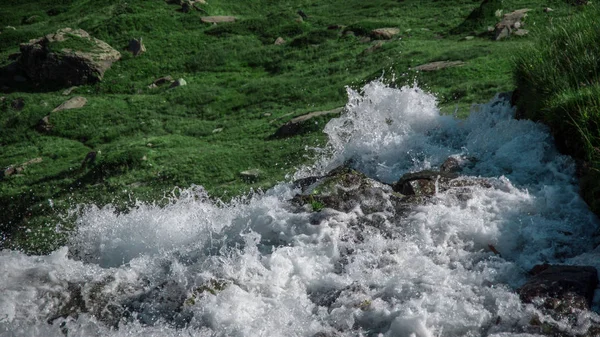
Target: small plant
(316,205)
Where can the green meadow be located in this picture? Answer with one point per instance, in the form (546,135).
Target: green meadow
(241,88)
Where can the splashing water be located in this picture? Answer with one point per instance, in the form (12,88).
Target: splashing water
(260,267)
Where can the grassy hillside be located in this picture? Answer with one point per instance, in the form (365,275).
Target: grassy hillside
(150,140)
(558,81)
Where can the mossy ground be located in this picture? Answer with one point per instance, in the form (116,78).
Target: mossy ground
(150,140)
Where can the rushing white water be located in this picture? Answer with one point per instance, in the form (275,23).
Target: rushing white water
(259,267)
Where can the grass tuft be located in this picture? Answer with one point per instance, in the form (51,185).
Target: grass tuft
(558,83)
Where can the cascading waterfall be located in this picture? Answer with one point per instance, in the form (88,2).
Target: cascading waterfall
(258,266)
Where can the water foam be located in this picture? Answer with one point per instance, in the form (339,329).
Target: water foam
(259,267)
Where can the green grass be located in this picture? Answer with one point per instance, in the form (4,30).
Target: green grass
(558,80)
(150,140)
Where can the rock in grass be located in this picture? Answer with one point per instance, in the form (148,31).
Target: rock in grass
(18,104)
(385,33)
(68,91)
(511,22)
(44,124)
(179,83)
(375,46)
(9,171)
(136,47)
(67,57)
(31,19)
(218,19)
(160,81)
(73,103)
(433,66)
(294,126)
(279,41)
(520,32)
(251,175)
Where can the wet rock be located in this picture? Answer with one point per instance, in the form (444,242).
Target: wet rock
(433,66)
(344,189)
(212,286)
(423,183)
(73,103)
(18,104)
(165,301)
(295,126)
(385,33)
(451,165)
(52,59)
(561,288)
(71,305)
(218,19)
(136,47)
(511,22)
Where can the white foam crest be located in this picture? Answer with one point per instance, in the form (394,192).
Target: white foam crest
(260,266)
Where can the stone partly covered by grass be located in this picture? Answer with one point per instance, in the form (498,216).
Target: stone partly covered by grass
(558,83)
(148,139)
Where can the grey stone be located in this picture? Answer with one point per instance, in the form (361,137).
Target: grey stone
(73,103)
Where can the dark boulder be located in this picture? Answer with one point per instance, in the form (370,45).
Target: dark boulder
(343,189)
(67,57)
(561,288)
(423,183)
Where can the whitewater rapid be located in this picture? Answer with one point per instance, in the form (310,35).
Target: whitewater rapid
(257,266)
